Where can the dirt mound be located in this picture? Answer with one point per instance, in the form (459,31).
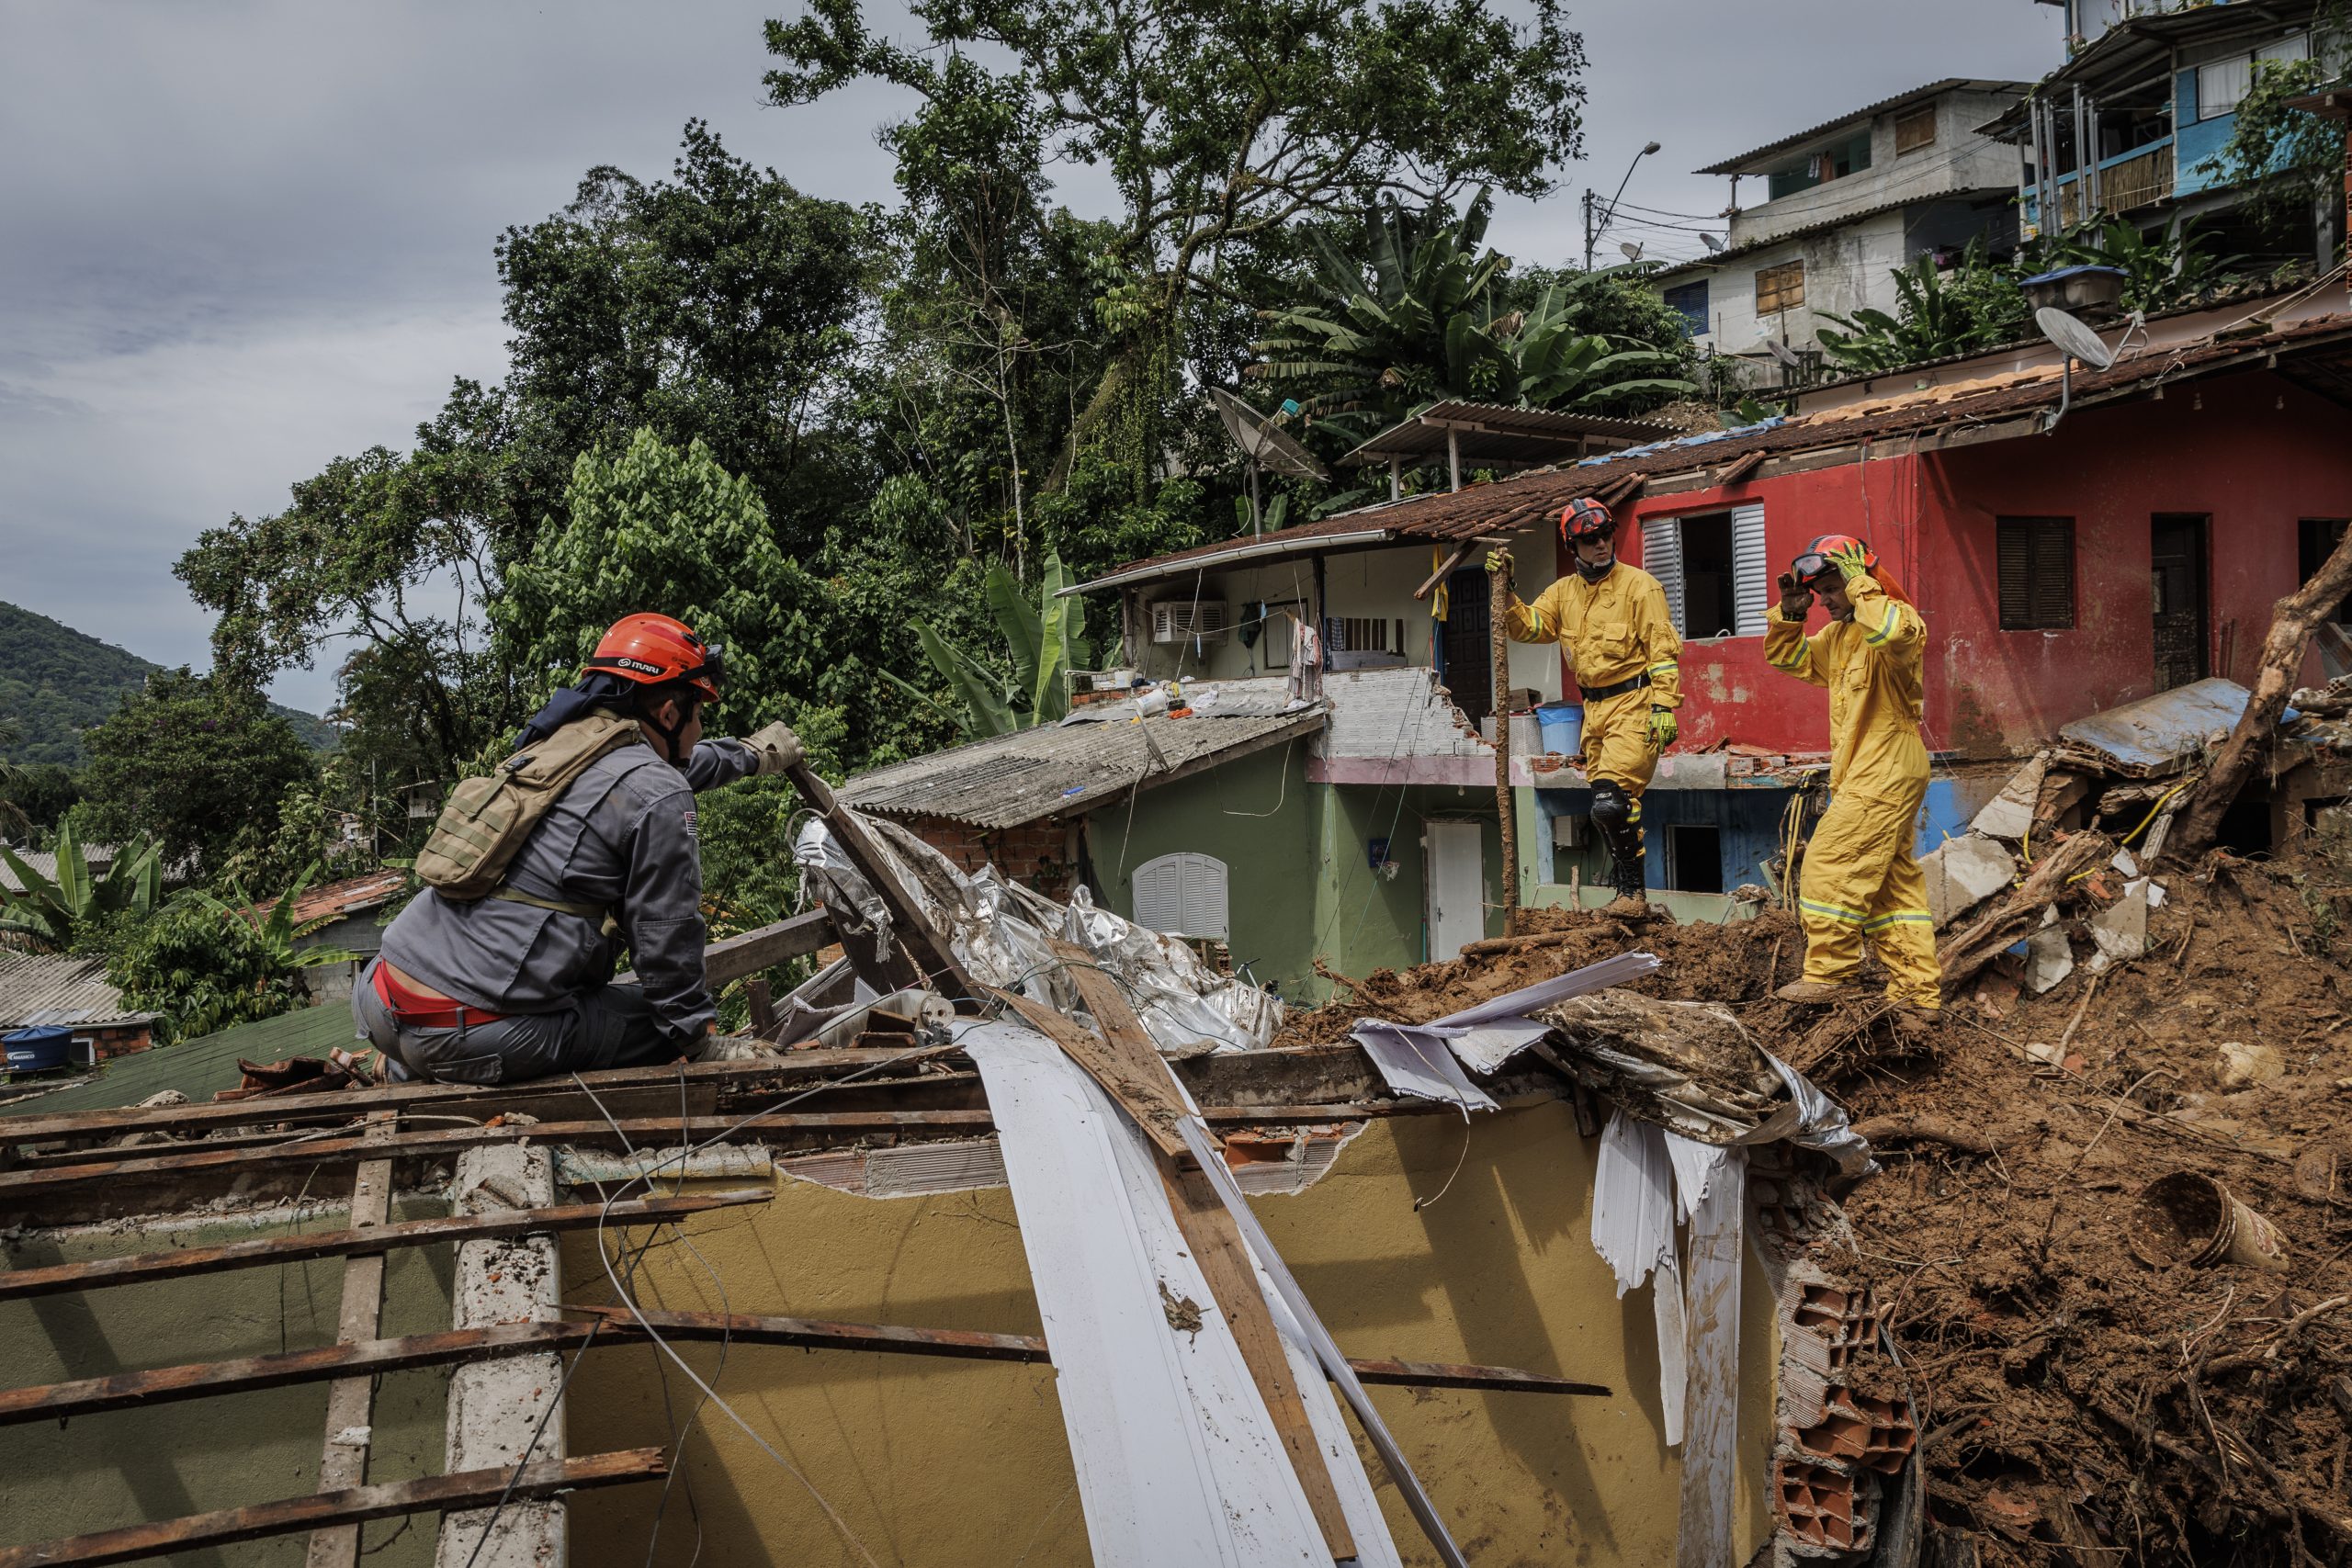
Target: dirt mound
(2078,1403)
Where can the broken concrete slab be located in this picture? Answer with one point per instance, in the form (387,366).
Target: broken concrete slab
(2121,930)
(2049,958)
(2239,1066)
(2009,815)
(1962,873)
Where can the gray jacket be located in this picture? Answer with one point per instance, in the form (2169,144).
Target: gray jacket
(622,836)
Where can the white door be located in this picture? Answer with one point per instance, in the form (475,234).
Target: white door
(1457,881)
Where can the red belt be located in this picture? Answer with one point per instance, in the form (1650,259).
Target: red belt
(414,1009)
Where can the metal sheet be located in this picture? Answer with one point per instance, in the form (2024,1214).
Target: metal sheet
(1416,1062)
(1178,1461)
(1710,1417)
(2163,730)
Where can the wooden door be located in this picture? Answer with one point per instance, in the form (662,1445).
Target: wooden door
(2177,584)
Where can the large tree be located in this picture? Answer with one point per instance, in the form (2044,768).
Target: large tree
(197,762)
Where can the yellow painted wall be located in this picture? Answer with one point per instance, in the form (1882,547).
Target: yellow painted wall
(933,1463)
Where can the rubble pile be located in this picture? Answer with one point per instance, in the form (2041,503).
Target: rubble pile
(2082,1392)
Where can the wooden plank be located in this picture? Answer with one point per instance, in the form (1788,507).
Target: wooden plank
(349,1507)
(1153,1105)
(324,1363)
(266,1251)
(351,1402)
(937,965)
(736,956)
(1214,1240)
(1440,575)
(750,1329)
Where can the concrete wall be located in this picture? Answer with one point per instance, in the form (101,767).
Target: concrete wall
(1845,269)
(1957,159)
(936,1464)
(1359,582)
(129,1466)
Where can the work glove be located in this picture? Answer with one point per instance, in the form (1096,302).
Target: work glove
(777,748)
(1795,598)
(1849,562)
(1663,729)
(1498,559)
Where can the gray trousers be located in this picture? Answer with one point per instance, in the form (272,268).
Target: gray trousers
(610,1026)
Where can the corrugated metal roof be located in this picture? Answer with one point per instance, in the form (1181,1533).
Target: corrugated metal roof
(2166,730)
(202,1068)
(1033,775)
(2140,43)
(39,988)
(1492,433)
(98,857)
(352,896)
(1740,165)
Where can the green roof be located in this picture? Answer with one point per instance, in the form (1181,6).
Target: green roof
(201,1068)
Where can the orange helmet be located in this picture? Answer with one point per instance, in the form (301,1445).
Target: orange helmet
(1585,518)
(655,651)
(1813,566)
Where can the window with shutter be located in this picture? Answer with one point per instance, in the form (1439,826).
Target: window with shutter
(1914,131)
(1780,288)
(2036,561)
(1662,559)
(1183,895)
(1751,569)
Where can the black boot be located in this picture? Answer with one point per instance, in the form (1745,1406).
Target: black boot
(1627,874)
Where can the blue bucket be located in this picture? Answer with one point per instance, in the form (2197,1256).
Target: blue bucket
(1563,725)
(37,1050)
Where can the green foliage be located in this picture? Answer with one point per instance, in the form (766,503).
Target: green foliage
(201,972)
(274,926)
(68,912)
(2173,268)
(1974,304)
(34,798)
(653,527)
(1048,640)
(191,761)
(1413,318)
(56,682)
(2291,159)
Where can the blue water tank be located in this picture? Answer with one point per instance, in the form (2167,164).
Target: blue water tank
(35,1050)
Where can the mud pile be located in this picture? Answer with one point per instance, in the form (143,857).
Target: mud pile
(2082,1398)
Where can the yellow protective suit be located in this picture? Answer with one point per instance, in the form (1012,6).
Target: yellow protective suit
(1860,882)
(1613,631)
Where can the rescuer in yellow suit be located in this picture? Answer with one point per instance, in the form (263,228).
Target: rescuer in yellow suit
(1612,620)
(1860,883)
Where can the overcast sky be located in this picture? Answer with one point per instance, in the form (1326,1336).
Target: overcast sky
(238,240)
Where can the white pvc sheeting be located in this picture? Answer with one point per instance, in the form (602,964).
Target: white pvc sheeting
(1179,1464)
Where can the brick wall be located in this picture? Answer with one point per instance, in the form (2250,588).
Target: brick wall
(118,1041)
(1036,854)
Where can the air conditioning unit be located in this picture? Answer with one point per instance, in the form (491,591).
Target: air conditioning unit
(1185,620)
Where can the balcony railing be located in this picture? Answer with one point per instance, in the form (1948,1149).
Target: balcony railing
(2124,185)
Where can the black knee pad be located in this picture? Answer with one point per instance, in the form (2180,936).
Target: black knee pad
(1611,807)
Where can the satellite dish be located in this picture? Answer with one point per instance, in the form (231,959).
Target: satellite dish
(1711,241)
(1784,354)
(1265,447)
(2072,336)
(1633,252)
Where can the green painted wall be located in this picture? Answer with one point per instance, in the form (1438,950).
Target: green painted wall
(1255,814)
(1299,881)
(127,1466)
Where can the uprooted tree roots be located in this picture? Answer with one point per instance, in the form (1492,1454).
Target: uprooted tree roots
(2078,1403)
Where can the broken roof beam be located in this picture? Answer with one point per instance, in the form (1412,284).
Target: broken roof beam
(750,1329)
(269,1251)
(350,1507)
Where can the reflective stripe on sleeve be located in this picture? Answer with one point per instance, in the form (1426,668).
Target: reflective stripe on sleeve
(1666,665)
(1894,619)
(1795,658)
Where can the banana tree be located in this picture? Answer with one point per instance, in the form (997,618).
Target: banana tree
(1047,640)
(280,932)
(50,912)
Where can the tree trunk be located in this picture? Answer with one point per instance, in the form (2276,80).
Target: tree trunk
(2293,622)
(2016,916)
(1499,617)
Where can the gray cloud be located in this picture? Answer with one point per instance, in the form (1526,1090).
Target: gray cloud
(245,238)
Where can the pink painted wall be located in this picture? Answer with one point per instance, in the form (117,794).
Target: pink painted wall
(2252,466)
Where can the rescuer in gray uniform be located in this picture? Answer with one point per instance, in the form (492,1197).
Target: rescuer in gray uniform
(518,984)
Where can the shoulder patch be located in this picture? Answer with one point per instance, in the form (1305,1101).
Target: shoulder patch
(691,834)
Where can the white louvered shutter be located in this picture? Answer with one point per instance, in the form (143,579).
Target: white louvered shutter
(1662,559)
(1752,571)
(1183,895)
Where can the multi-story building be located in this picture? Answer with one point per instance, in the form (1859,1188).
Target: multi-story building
(1842,205)
(2134,123)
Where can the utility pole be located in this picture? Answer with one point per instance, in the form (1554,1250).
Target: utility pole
(1588,235)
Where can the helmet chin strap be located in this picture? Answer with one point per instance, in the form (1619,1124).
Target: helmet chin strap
(670,733)
(1592,573)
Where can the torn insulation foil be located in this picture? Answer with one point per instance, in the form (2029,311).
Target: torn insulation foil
(1425,1060)
(1002,934)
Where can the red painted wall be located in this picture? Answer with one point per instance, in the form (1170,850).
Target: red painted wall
(2257,457)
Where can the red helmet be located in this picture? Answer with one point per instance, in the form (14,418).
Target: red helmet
(1585,518)
(656,650)
(1813,566)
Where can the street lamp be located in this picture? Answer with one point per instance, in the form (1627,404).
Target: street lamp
(1592,231)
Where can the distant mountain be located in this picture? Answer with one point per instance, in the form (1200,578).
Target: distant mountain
(56,682)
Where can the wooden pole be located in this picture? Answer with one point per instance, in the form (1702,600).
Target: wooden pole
(2294,621)
(1499,634)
